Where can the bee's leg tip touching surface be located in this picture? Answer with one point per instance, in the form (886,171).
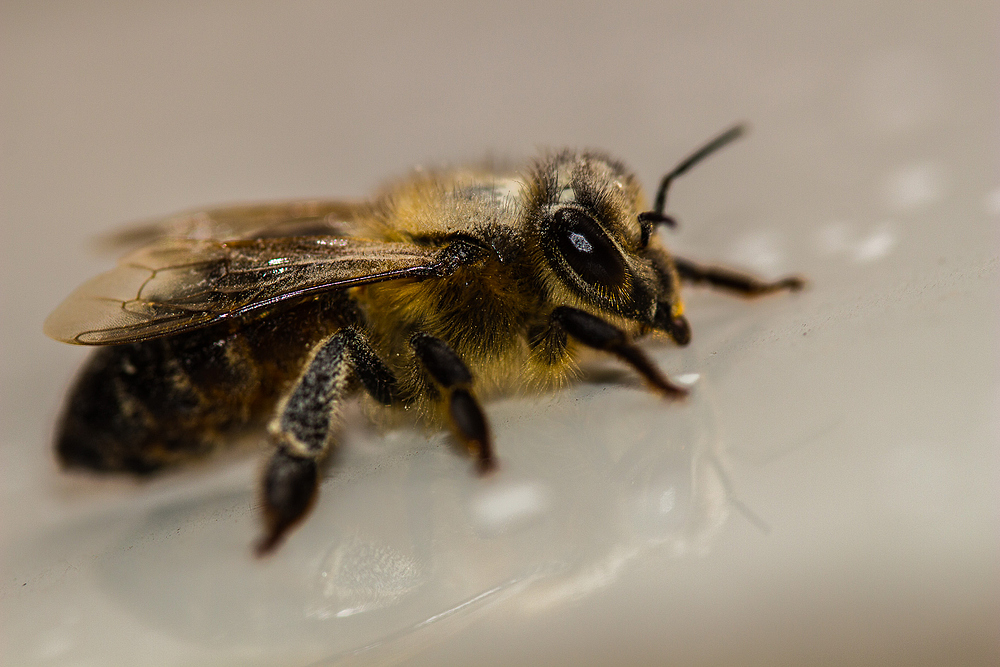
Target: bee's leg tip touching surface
(290,486)
(265,545)
(673,392)
(594,332)
(465,415)
(486,465)
(793,283)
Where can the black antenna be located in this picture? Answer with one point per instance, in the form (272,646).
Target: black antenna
(729,135)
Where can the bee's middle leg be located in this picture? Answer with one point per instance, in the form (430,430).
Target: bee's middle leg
(302,427)
(466,415)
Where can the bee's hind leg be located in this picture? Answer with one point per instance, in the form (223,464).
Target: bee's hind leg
(735,282)
(302,427)
(467,419)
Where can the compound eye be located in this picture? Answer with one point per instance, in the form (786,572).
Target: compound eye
(587,250)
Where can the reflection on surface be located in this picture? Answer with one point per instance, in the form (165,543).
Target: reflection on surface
(915,186)
(405,539)
(761,251)
(361,576)
(839,238)
(504,506)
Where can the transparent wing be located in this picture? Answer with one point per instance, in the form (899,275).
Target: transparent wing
(178,284)
(312,217)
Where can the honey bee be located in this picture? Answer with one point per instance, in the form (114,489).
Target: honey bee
(447,286)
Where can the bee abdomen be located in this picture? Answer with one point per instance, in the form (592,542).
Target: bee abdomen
(145,406)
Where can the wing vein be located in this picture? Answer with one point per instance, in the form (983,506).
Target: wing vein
(176,284)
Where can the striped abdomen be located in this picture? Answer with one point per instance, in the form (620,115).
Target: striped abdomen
(144,406)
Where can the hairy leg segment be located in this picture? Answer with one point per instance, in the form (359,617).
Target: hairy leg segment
(302,428)
(465,414)
(731,281)
(594,332)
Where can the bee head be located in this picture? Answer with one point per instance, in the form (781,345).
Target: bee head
(594,248)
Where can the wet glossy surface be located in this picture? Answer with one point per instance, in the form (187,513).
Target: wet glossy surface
(828,492)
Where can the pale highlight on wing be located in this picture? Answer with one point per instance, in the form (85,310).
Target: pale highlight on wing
(179,284)
(261,220)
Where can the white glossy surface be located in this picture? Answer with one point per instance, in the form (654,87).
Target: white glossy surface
(827,494)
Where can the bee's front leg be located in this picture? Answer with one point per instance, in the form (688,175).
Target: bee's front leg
(594,332)
(465,414)
(738,283)
(302,427)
